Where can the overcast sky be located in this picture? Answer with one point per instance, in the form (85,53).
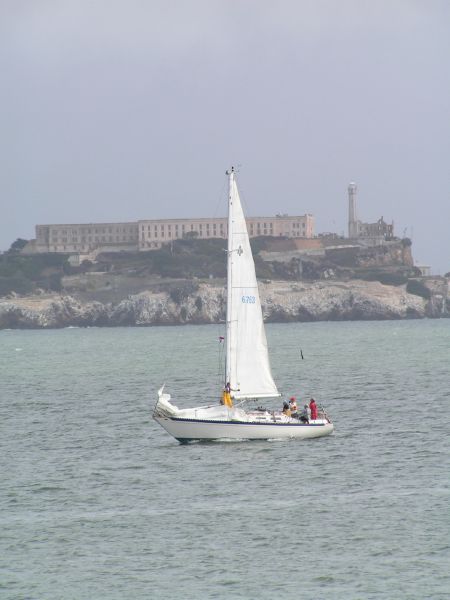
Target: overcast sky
(117,110)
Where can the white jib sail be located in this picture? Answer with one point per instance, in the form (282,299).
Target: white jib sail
(247,366)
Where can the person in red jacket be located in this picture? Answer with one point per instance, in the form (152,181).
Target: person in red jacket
(313,407)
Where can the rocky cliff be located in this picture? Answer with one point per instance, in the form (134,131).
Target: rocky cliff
(282,301)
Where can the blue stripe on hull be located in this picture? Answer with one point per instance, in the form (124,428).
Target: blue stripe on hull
(248,423)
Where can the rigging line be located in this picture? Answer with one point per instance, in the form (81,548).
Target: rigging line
(220,201)
(221,339)
(221,377)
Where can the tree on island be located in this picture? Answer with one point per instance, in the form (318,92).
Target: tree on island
(190,235)
(17,246)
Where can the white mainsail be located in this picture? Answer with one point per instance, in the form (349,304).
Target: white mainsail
(247,361)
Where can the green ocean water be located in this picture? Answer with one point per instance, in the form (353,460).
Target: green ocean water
(98,502)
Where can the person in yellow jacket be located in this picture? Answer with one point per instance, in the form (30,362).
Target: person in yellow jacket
(226,396)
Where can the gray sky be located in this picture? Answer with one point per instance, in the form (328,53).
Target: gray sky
(118,110)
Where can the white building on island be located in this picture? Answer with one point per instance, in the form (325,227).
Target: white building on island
(151,234)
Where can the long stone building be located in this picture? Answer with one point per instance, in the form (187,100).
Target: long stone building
(85,238)
(152,234)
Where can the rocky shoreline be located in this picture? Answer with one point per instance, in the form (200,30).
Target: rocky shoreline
(282,302)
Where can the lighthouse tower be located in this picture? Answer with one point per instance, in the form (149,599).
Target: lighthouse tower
(353,229)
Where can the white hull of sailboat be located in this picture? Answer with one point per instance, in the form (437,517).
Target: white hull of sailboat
(186,430)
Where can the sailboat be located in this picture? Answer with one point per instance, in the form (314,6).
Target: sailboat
(247,368)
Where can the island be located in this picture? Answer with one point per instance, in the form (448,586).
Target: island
(184,282)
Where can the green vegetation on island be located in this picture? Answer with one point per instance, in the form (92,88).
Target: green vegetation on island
(187,261)
(23,274)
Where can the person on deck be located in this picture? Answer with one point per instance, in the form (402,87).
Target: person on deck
(313,408)
(226,396)
(286,409)
(293,407)
(306,414)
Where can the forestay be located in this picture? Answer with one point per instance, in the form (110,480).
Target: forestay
(247,368)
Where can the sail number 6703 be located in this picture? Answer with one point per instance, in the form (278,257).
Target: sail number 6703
(249,299)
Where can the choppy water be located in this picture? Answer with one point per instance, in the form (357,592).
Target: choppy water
(98,502)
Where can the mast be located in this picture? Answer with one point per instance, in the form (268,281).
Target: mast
(230,174)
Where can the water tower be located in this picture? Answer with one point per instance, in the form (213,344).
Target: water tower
(353,229)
